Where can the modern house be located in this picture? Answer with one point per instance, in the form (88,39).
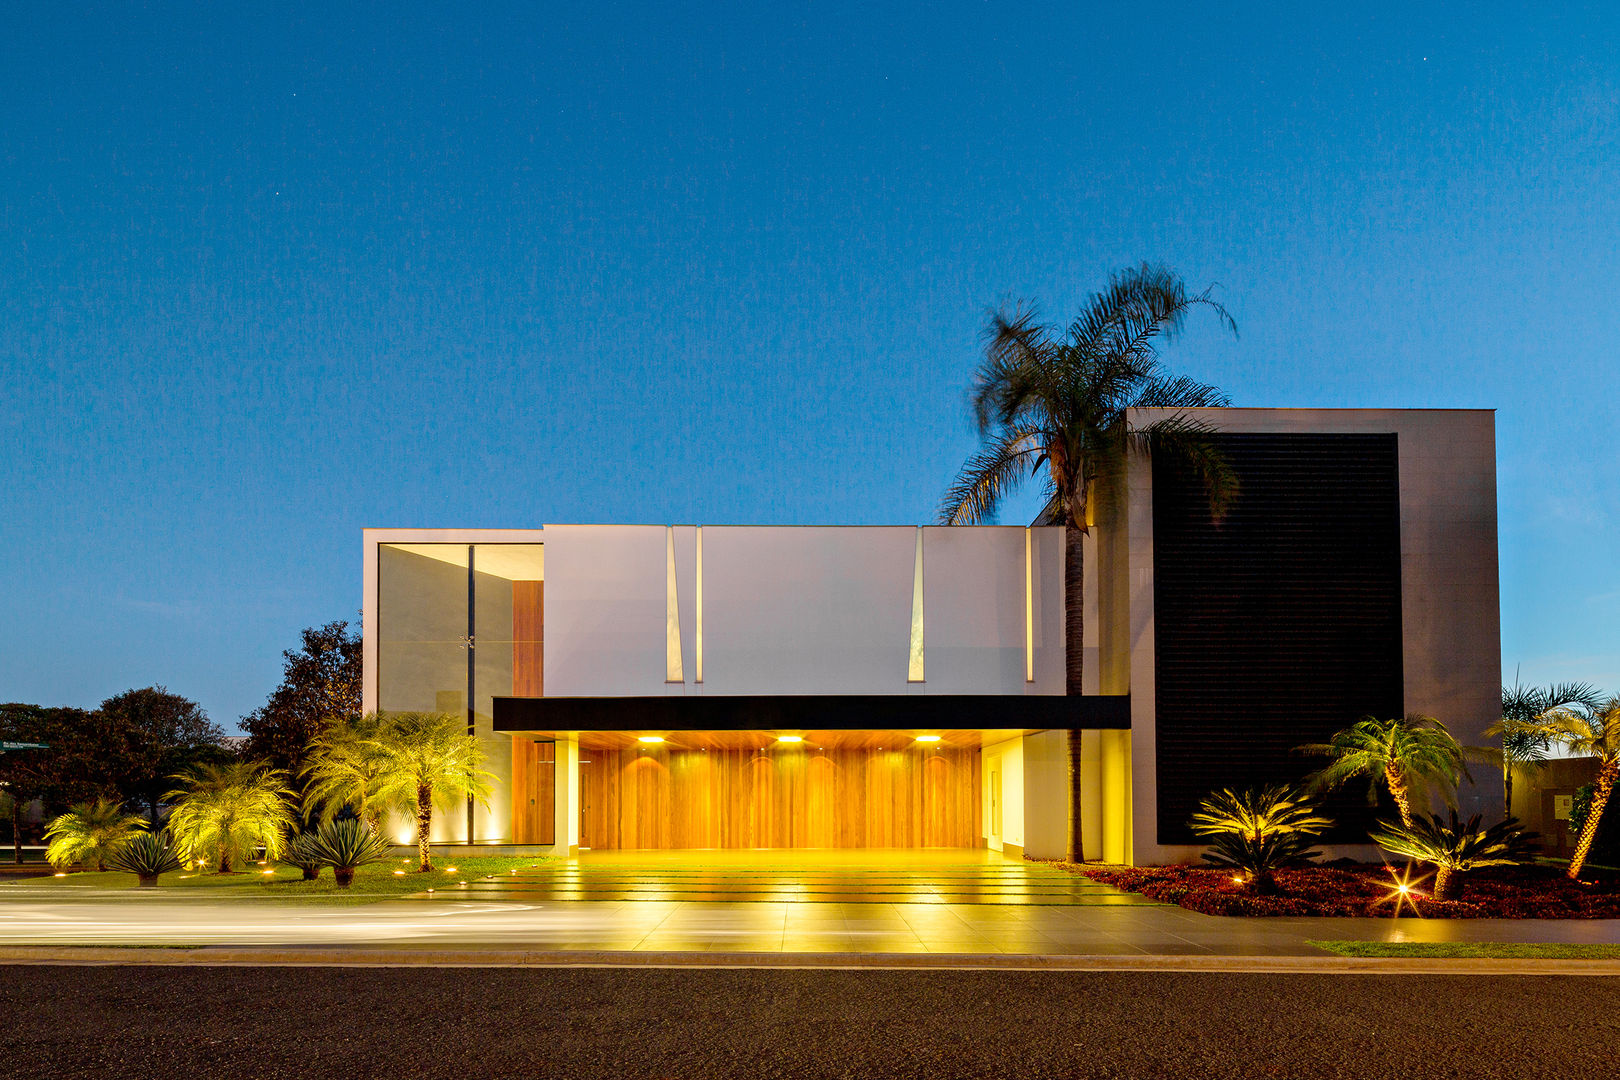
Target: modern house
(699,687)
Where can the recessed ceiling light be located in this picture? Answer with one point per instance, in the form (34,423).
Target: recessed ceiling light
(649,738)
(928,738)
(790,738)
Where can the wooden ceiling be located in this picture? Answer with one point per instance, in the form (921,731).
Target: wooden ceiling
(757,740)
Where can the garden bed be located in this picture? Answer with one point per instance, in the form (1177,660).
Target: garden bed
(1530,892)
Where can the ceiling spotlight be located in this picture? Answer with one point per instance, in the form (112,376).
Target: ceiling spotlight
(928,738)
(790,738)
(650,738)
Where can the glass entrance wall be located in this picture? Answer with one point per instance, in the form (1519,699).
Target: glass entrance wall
(460,622)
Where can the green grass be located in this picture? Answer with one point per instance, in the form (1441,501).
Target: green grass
(283,884)
(1461,950)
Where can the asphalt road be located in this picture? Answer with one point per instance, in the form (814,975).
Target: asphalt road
(467,1023)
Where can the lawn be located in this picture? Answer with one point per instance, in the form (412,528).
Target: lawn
(1466,950)
(1350,889)
(380,881)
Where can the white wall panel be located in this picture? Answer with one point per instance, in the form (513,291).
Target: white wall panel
(604,614)
(806,610)
(973,604)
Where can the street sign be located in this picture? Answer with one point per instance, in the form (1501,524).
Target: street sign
(4,746)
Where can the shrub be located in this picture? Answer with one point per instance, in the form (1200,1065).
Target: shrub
(346,846)
(146,855)
(1455,847)
(1258,831)
(300,852)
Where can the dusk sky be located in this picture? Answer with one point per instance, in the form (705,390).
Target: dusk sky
(270,276)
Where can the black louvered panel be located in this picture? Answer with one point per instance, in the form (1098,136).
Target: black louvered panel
(1278,625)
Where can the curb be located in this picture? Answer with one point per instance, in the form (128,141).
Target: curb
(271,956)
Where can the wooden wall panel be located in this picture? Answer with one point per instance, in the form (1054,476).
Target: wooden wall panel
(670,797)
(534,778)
(528,639)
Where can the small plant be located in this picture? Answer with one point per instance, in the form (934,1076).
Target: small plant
(1258,831)
(300,852)
(345,846)
(89,833)
(146,855)
(1455,847)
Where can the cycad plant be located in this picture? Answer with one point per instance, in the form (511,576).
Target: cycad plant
(146,855)
(423,759)
(1403,754)
(1453,847)
(89,833)
(227,812)
(1057,400)
(1593,733)
(346,845)
(1258,831)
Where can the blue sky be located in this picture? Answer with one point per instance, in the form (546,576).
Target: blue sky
(273,274)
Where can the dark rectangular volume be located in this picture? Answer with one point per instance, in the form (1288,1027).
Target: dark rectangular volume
(1278,624)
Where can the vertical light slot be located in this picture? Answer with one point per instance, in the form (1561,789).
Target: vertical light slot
(1029,609)
(698,641)
(915,672)
(672,614)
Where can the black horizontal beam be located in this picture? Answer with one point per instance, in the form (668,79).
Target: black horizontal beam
(832,712)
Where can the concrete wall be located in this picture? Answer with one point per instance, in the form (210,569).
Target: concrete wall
(1450,612)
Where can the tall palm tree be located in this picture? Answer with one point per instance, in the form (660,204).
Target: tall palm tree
(1055,399)
(1522,709)
(90,832)
(423,758)
(341,766)
(1593,733)
(227,811)
(1404,754)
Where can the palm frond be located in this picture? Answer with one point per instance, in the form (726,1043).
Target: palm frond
(989,476)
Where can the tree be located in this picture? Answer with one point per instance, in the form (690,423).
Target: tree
(90,833)
(72,768)
(423,758)
(1404,754)
(226,812)
(1455,847)
(149,735)
(1522,708)
(320,683)
(341,770)
(1055,399)
(1594,733)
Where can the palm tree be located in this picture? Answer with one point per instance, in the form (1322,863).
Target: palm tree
(228,811)
(341,770)
(1594,733)
(90,832)
(1057,399)
(1522,708)
(1404,754)
(423,758)
(345,845)
(1455,847)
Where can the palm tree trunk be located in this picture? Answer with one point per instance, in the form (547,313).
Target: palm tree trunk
(16,831)
(1600,798)
(1074,655)
(1397,791)
(1442,883)
(424,826)
(1507,785)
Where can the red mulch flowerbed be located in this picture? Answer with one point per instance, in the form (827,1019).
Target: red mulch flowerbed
(1498,893)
